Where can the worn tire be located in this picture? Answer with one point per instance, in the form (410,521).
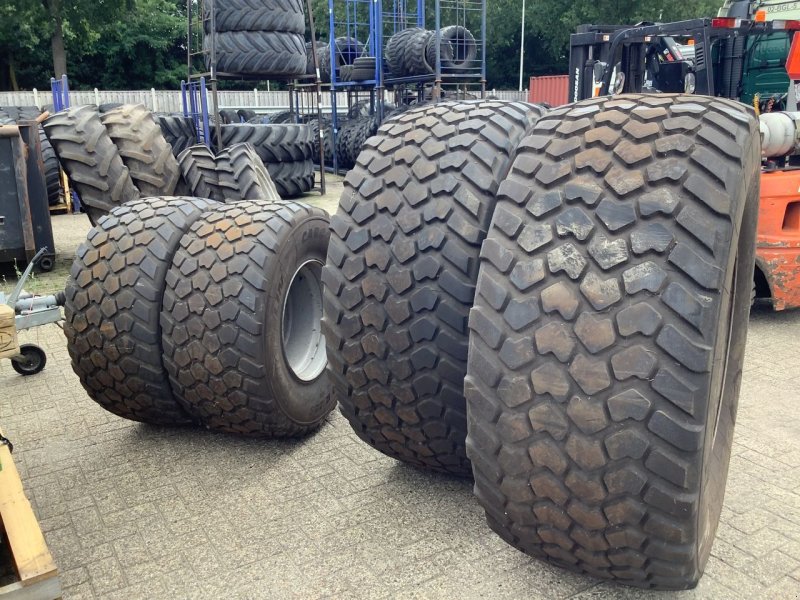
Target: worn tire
(242,175)
(415,57)
(113,305)
(600,332)
(247,114)
(52,170)
(363,69)
(401,271)
(179,131)
(90,159)
(229,116)
(396,49)
(260,52)
(199,169)
(257,15)
(292,179)
(222,319)
(327,140)
(274,143)
(143,148)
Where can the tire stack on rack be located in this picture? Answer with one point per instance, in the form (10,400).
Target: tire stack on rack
(412,51)
(347,51)
(555,304)
(256,36)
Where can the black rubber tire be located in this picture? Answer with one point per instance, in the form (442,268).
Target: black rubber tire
(274,143)
(599,335)
(28,113)
(292,179)
(458,53)
(257,15)
(90,159)
(327,140)
(113,303)
(363,69)
(222,340)
(104,108)
(179,131)
(345,73)
(285,117)
(52,170)
(259,53)
(246,114)
(401,271)
(143,148)
(33,360)
(396,49)
(323,61)
(414,58)
(229,116)
(242,175)
(199,169)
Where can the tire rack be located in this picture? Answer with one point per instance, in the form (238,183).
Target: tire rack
(195,33)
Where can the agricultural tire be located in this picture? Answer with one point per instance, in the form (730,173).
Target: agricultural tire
(257,15)
(179,131)
(396,49)
(292,179)
(229,116)
(415,59)
(260,52)
(246,114)
(241,334)
(274,143)
(242,175)
(363,69)
(608,334)
(52,170)
(113,304)
(144,149)
(285,117)
(90,159)
(199,169)
(401,271)
(345,73)
(458,50)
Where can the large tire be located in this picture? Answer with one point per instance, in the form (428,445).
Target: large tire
(292,179)
(256,15)
(401,272)
(91,160)
(327,140)
(604,327)
(274,143)
(242,175)
(415,59)
(179,131)
(52,170)
(199,168)
(458,52)
(113,304)
(396,49)
(143,149)
(259,52)
(225,317)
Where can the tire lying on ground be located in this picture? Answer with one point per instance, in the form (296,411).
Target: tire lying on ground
(292,179)
(143,148)
(274,143)
(113,303)
(401,271)
(242,308)
(241,174)
(179,131)
(199,169)
(90,159)
(256,15)
(259,52)
(608,334)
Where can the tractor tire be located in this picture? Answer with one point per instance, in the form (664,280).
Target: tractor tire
(285,117)
(257,15)
(52,170)
(608,334)
(231,300)
(401,272)
(90,159)
(199,169)
(292,179)
(274,143)
(144,149)
(179,131)
(415,58)
(363,69)
(104,108)
(229,116)
(396,49)
(327,140)
(458,52)
(246,115)
(242,175)
(113,305)
(259,52)
(28,113)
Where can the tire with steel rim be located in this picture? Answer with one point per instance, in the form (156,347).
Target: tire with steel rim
(241,319)
(608,333)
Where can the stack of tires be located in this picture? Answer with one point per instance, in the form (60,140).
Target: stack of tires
(185,310)
(413,51)
(256,37)
(287,151)
(178,130)
(556,304)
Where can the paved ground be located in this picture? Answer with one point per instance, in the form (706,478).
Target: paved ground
(132,511)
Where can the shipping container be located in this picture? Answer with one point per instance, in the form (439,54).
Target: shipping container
(550,89)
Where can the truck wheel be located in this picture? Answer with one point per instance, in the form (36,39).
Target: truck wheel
(91,160)
(113,301)
(401,271)
(608,334)
(143,149)
(241,319)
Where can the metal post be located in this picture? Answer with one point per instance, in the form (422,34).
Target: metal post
(318,89)
(521,44)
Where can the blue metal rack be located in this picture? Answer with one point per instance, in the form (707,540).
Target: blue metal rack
(60,90)
(195,105)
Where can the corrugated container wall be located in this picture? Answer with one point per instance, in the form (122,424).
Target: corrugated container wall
(552,89)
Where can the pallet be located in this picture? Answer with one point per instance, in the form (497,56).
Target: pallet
(36,571)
